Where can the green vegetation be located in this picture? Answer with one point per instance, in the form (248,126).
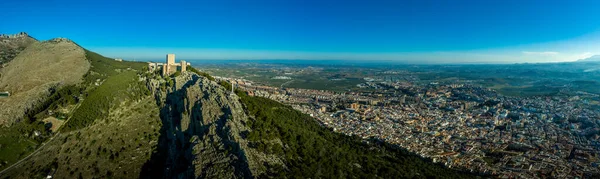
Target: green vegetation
(170,83)
(116,148)
(111,90)
(64,96)
(115,89)
(176,74)
(306,78)
(103,67)
(192,69)
(521,80)
(19,140)
(119,82)
(529,91)
(313,151)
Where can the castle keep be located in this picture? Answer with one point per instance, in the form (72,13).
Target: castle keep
(169,67)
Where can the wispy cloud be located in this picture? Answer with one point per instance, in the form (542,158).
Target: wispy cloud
(512,55)
(566,50)
(583,55)
(546,53)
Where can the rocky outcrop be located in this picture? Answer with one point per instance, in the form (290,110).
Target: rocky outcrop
(203,133)
(11,45)
(19,35)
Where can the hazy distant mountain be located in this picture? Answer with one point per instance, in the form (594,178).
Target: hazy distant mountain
(595,58)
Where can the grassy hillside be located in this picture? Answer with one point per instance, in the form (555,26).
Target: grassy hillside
(36,73)
(117,82)
(38,81)
(117,88)
(103,67)
(115,147)
(18,141)
(109,130)
(192,69)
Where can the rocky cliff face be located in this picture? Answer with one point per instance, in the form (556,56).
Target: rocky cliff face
(203,133)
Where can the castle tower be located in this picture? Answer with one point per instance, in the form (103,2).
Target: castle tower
(170,59)
(165,70)
(183,65)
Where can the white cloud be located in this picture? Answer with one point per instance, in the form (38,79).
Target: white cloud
(583,55)
(545,53)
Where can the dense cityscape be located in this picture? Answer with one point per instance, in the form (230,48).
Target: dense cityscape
(462,126)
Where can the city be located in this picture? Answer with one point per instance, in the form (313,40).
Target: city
(461,126)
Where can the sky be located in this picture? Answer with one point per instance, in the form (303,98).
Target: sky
(419,31)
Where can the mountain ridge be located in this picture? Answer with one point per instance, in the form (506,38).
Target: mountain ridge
(12,44)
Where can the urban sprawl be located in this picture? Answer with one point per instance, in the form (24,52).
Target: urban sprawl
(462,126)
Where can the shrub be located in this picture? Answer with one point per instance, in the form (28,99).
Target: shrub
(115,89)
(313,151)
(192,69)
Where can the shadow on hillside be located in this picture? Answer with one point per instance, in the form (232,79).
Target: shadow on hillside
(173,156)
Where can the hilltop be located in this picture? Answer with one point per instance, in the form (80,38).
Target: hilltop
(49,82)
(38,70)
(12,45)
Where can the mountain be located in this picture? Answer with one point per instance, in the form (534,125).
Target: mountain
(117,120)
(49,83)
(39,69)
(12,45)
(595,58)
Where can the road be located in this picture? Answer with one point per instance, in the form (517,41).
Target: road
(32,153)
(286,83)
(42,146)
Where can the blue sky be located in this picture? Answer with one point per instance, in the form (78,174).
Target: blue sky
(458,31)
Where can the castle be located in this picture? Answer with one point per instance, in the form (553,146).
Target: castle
(169,67)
